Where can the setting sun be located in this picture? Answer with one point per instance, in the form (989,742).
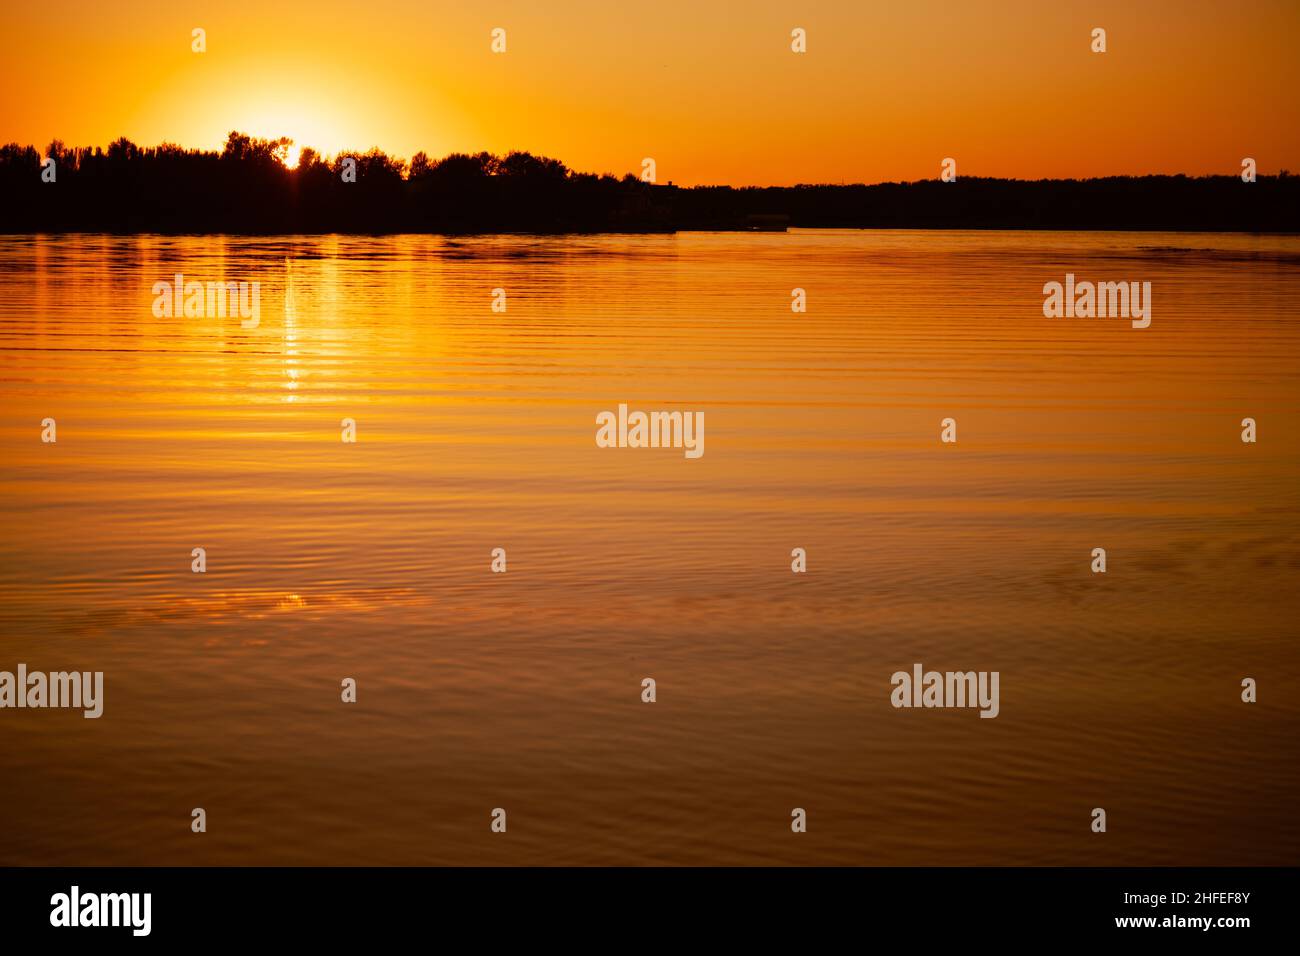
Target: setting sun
(579,87)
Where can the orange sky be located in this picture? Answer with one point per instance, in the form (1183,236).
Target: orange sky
(709,89)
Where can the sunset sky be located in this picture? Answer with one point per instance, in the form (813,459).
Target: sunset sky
(710,90)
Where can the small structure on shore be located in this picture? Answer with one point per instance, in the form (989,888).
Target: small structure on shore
(767,222)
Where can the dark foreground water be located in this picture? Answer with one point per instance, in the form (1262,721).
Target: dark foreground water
(328,560)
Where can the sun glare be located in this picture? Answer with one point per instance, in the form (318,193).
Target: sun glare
(292,156)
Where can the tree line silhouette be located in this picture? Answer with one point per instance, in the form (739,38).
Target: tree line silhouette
(247,187)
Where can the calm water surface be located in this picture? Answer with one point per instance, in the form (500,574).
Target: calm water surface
(476,431)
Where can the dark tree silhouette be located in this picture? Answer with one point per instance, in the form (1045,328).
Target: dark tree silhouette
(247,188)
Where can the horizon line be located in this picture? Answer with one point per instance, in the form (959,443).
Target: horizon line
(280,149)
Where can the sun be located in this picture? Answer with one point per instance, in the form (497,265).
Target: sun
(292,156)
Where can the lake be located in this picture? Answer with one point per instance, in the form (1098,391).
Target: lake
(475,430)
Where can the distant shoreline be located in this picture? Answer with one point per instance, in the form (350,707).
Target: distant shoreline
(560,233)
(247,190)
